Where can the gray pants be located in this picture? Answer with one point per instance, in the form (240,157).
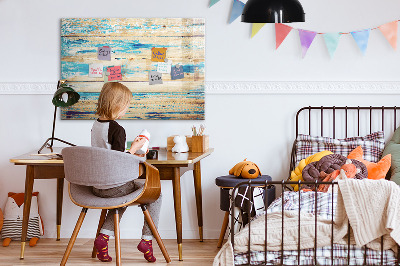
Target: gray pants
(154,208)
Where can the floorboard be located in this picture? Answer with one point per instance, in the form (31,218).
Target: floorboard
(50,252)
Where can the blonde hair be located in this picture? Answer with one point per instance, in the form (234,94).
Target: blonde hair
(114,96)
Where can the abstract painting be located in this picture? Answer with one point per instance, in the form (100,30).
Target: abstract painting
(129,49)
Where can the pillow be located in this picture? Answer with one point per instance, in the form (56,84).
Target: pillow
(372,144)
(393,148)
(296,174)
(329,164)
(375,170)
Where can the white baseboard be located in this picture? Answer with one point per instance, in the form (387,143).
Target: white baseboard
(251,87)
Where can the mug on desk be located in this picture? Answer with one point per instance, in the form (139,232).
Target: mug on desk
(152,155)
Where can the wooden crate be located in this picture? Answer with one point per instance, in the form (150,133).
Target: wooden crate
(200,143)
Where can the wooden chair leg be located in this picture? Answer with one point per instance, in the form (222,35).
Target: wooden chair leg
(154,230)
(101,222)
(73,237)
(223,229)
(117,238)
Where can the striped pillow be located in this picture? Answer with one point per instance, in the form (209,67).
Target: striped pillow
(372,145)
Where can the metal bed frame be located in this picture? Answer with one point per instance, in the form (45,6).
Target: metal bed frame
(283,184)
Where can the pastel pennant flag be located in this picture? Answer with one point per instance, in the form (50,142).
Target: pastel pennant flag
(256,27)
(237,9)
(389,30)
(332,41)
(361,37)
(213,2)
(306,39)
(281,31)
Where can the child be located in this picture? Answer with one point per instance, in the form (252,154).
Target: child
(106,133)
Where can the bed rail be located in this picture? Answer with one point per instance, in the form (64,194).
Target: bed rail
(265,185)
(343,118)
(336,122)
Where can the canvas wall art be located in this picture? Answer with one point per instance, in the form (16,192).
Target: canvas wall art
(129,50)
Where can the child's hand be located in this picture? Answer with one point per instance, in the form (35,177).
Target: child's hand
(143,155)
(137,144)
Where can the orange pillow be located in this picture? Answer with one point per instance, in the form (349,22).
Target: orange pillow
(375,170)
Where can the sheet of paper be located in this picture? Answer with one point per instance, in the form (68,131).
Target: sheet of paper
(106,74)
(164,67)
(177,72)
(104,53)
(158,54)
(115,73)
(155,78)
(96,70)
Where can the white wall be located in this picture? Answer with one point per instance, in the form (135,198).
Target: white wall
(258,126)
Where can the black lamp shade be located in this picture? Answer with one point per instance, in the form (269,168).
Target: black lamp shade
(273,11)
(73,96)
(58,101)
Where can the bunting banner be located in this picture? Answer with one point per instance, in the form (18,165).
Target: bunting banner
(281,31)
(306,39)
(237,8)
(361,37)
(256,27)
(332,41)
(389,30)
(213,2)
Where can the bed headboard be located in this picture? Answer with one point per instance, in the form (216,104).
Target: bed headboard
(344,121)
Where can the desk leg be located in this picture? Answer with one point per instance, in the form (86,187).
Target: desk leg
(199,204)
(60,190)
(176,182)
(27,206)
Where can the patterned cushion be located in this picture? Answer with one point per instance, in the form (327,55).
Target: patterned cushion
(372,144)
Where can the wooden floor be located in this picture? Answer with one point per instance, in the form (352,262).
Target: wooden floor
(50,252)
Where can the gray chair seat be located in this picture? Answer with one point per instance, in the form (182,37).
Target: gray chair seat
(82,195)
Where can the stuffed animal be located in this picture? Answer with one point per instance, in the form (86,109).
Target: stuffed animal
(13,215)
(180,144)
(245,169)
(1,219)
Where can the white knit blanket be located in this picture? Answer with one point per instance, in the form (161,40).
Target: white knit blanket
(373,209)
(371,206)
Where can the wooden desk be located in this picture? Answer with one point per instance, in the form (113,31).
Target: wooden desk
(168,164)
(40,167)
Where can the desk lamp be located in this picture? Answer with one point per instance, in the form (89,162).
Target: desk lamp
(273,11)
(64,96)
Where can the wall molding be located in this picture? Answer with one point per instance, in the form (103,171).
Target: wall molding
(251,87)
(303,87)
(27,88)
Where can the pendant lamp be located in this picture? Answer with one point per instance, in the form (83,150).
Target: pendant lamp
(64,96)
(273,11)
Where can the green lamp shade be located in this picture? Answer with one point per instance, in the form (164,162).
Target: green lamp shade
(70,96)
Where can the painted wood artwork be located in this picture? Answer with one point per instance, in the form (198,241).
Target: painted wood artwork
(137,46)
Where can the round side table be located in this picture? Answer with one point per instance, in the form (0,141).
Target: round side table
(226,183)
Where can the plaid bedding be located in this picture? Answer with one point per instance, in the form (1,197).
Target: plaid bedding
(324,257)
(372,145)
(322,207)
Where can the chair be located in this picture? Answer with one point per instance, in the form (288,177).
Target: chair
(85,167)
